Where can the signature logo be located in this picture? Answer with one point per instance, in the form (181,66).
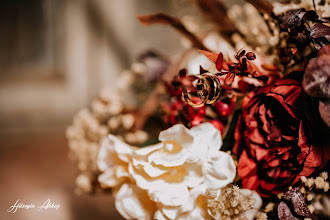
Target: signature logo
(46,205)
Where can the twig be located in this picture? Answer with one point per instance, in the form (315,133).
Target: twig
(314,7)
(161,18)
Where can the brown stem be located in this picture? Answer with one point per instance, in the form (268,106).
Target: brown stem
(160,18)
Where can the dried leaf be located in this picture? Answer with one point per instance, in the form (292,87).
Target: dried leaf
(219,62)
(324,108)
(320,30)
(293,18)
(284,212)
(210,55)
(230,78)
(298,201)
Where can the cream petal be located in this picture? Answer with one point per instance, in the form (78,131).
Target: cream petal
(173,194)
(141,178)
(160,216)
(251,214)
(220,169)
(109,179)
(121,171)
(107,156)
(195,175)
(178,133)
(134,203)
(112,152)
(168,159)
(172,212)
(153,171)
(147,150)
(207,138)
(199,212)
(208,134)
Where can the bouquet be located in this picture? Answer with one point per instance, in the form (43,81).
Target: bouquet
(236,127)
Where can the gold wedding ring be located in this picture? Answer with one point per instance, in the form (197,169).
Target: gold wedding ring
(202,89)
(208,89)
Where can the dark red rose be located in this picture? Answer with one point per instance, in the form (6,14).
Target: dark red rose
(279,137)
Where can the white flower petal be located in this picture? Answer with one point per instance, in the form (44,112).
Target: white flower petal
(109,179)
(168,194)
(251,214)
(141,178)
(152,171)
(113,152)
(209,134)
(168,159)
(160,216)
(147,150)
(207,138)
(199,212)
(220,169)
(195,175)
(174,212)
(178,133)
(134,203)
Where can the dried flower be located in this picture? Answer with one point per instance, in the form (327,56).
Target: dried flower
(310,197)
(262,216)
(233,203)
(303,179)
(319,182)
(310,182)
(324,175)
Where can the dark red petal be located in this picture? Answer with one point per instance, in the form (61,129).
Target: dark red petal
(230,78)
(243,86)
(219,62)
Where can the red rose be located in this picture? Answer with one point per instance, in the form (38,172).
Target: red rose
(279,136)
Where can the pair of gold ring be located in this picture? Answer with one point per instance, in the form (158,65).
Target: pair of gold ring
(208,89)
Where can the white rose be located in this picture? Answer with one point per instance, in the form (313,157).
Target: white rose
(131,201)
(181,167)
(113,159)
(134,203)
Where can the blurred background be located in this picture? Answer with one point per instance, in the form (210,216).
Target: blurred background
(55,56)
